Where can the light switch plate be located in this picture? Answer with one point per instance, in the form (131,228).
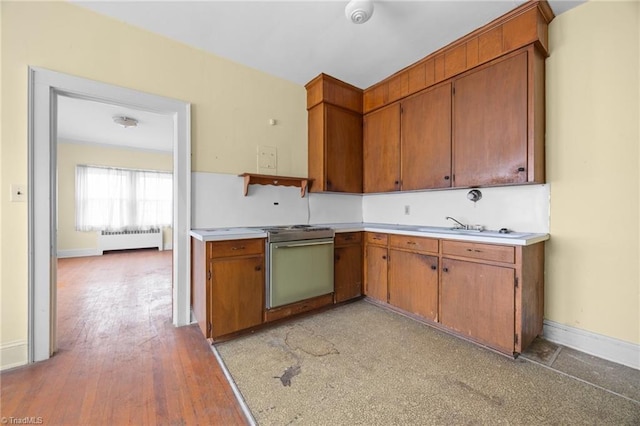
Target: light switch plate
(18,193)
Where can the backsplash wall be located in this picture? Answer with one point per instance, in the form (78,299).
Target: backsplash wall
(518,208)
(218,201)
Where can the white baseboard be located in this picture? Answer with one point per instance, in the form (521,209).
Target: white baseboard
(605,347)
(78,253)
(13,354)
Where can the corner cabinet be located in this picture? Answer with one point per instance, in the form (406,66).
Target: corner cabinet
(232,299)
(376,266)
(335,135)
(348,266)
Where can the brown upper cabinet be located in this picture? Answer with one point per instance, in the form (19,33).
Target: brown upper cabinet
(470,114)
(335,135)
(407,145)
(382,150)
(498,122)
(426,139)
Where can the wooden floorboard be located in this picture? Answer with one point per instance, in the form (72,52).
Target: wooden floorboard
(120,359)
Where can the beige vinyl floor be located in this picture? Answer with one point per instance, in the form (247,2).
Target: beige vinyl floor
(360,364)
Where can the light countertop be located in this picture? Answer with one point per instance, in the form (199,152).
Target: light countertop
(492,237)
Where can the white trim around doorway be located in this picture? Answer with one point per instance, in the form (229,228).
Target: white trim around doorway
(44,87)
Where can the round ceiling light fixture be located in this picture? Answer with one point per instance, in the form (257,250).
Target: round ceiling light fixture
(125,121)
(359,11)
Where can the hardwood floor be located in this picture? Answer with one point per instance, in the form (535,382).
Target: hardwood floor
(120,359)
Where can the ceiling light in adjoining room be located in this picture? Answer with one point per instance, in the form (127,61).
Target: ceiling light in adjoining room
(125,121)
(359,11)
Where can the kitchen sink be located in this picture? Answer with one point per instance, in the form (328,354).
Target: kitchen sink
(484,233)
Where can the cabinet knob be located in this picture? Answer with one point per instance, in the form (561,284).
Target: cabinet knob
(384,257)
(447,177)
(337,257)
(521,169)
(445,269)
(434,267)
(397,182)
(258,268)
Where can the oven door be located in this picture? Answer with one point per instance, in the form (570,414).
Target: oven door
(299,270)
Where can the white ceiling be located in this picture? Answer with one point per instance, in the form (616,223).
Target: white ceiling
(85,121)
(297,40)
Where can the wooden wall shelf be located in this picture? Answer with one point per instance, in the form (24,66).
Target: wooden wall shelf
(252,178)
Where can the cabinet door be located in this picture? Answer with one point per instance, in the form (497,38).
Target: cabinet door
(237,289)
(344,150)
(478,301)
(348,272)
(426,140)
(413,283)
(376,272)
(382,150)
(490,124)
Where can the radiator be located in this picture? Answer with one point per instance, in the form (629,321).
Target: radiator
(123,240)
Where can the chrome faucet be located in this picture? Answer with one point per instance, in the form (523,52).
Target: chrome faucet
(461,225)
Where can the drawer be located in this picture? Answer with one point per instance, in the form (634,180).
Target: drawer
(496,253)
(377,238)
(235,248)
(413,243)
(345,238)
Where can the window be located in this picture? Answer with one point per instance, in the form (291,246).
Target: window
(116,199)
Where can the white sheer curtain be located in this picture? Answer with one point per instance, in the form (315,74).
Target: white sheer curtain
(116,199)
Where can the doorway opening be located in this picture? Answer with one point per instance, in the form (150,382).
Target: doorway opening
(45,88)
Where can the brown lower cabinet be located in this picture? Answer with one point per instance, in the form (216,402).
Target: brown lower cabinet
(491,294)
(376,265)
(232,298)
(413,283)
(347,266)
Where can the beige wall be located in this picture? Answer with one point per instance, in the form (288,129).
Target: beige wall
(231,107)
(72,154)
(593,132)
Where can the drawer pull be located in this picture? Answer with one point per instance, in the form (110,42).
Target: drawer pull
(377,238)
(412,243)
(237,248)
(474,250)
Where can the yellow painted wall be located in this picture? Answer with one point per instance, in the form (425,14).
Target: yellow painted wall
(231,107)
(593,134)
(72,154)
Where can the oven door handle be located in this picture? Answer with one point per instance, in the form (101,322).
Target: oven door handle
(305,244)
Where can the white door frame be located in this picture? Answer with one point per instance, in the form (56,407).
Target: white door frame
(44,88)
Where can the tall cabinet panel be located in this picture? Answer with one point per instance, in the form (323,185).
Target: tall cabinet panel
(491,124)
(343,150)
(381,150)
(426,139)
(335,135)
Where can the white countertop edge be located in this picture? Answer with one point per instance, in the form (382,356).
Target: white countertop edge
(240,234)
(246,233)
(529,239)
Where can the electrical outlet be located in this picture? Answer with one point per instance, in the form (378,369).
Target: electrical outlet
(407,210)
(18,193)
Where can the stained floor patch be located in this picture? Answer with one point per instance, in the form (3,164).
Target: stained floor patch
(300,338)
